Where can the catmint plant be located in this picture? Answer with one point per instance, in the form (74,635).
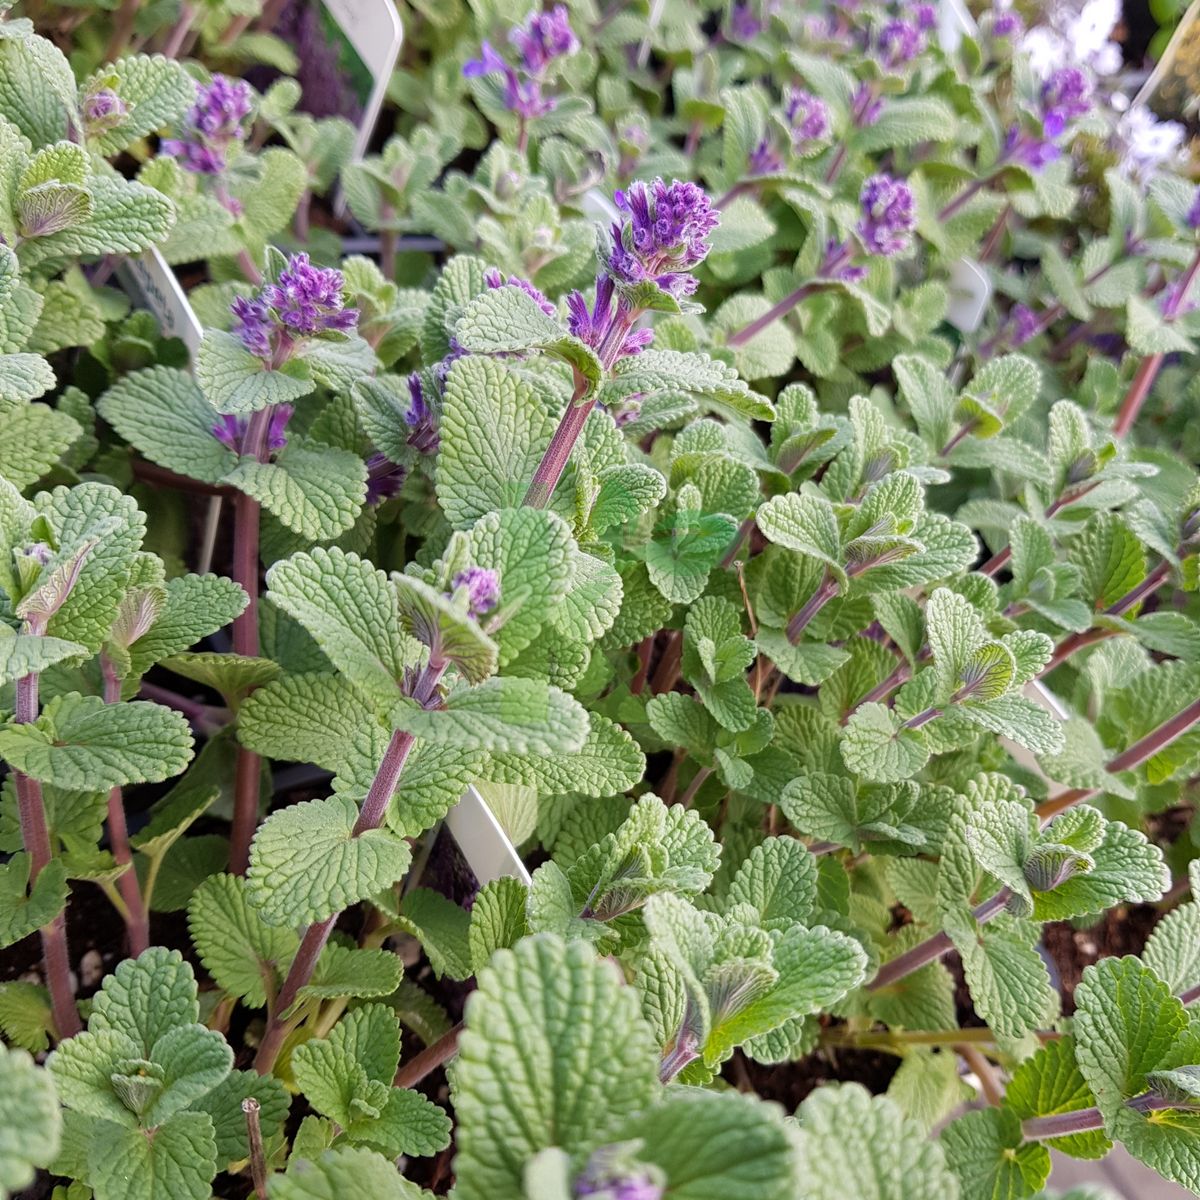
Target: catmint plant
(676,569)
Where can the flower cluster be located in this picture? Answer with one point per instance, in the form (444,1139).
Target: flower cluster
(420,418)
(899,43)
(546,37)
(482,588)
(214,125)
(305,301)
(231,431)
(494,279)
(598,327)
(808,123)
(1066,95)
(663,236)
(889,216)
(384,478)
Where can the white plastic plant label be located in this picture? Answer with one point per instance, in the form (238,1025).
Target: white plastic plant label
(1172,84)
(954,23)
(970,294)
(484,844)
(152,282)
(373,35)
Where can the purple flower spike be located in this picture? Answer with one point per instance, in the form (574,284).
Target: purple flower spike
(1025,324)
(384,478)
(420,418)
(899,43)
(1193,217)
(252,323)
(547,36)
(888,215)
(743,24)
(1067,94)
(494,279)
(808,115)
(308,299)
(103,110)
(593,328)
(1007,23)
(664,236)
(483,589)
(213,125)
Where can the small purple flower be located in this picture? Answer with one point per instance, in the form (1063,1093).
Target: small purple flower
(594,328)
(743,24)
(231,431)
(1026,324)
(925,16)
(1033,152)
(867,106)
(1067,94)
(808,115)
(899,43)
(548,36)
(494,279)
(889,215)
(253,324)
(483,589)
(838,263)
(384,478)
(420,418)
(613,1173)
(213,125)
(103,109)
(1193,217)
(1007,23)
(764,159)
(664,236)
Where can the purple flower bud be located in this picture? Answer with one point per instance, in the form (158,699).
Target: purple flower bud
(104,109)
(384,478)
(494,279)
(1007,23)
(614,1173)
(483,589)
(277,427)
(663,237)
(925,16)
(1193,217)
(252,323)
(764,159)
(867,106)
(888,215)
(899,43)
(213,125)
(231,431)
(1033,152)
(420,418)
(1026,324)
(593,328)
(1067,94)
(743,24)
(808,115)
(547,36)
(838,263)
(228,431)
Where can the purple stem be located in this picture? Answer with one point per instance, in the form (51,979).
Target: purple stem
(1083,1120)
(743,335)
(810,608)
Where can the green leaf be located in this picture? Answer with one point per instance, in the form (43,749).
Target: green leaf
(654,372)
(451,634)
(853,1144)
(1049,1082)
(805,523)
(344,1171)
(25,1016)
(83,744)
(156,91)
(315,490)
(442,927)
(1149,333)
(194,607)
(163,413)
(363,974)
(494,430)
(506,320)
(877,746)
(146,997)
(503,715)
(778,879)
(244,955)
(33,438)
(236,381)
(22,653)
(685,548)
(20,913)
(497,920)
(30,1121)
(224,1105)
(352,612)
(178,1163)
(551,1026)
(24,377)
(987,1153)
(307,864)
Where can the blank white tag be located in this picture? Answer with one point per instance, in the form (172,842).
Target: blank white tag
(598,206)
(151,280)
(954,23)
(970,293)
(483,843)
(373,29)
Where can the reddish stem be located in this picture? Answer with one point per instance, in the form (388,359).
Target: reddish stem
(35,835)
(429,1059)
(743,335)
(810,608)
